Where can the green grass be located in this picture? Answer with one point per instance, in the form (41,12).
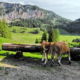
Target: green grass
(25,38)
(34,54)
(68,38)
(29,38)
(5,40)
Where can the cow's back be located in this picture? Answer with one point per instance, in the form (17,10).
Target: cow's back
(61,46)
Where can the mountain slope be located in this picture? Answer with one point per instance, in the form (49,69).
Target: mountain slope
(32,16)
(74,27)
(17,11)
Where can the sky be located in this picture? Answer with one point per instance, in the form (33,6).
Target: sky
(69,9)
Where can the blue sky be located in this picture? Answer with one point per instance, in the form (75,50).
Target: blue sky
(69,9)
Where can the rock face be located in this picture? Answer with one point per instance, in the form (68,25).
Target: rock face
(16,11)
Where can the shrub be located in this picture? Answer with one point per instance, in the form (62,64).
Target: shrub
(36,41)
(14,30)
(22,32)
(76,40)
(4,30)
(35,31)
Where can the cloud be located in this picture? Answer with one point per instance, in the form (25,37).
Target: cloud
(21,2)
(30,3)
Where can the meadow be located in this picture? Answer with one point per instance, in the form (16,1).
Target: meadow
(29,38)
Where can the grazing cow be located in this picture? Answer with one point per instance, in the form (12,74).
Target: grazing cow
(60,48)
(45,47)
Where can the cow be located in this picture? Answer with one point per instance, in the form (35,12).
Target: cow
(60,48)
(45,47)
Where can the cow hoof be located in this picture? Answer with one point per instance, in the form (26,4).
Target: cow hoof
(59,63)
(43,61)
(44,65)
(51,65)
(69,63)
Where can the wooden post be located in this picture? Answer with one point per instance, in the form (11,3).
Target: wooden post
(19,54)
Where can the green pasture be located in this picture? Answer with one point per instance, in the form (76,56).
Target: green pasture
(29,38)
(68,38)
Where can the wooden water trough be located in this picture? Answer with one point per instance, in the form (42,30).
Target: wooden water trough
(20,48)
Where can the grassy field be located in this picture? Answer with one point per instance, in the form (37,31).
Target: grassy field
(68,38)
(28,38)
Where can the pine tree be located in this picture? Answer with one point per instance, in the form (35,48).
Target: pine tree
(51,35)
(36,41)
(44,36)
(4,31)
(57,34)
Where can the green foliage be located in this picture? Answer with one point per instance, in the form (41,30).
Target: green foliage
(31,23)
(74,27)
(36,31)
(14,30)
(51,35)
(42,23)
(4,31)
(44,36)
(76,40)
(74,44)
(22,31)
(34,7)
(36,41)
(57,35)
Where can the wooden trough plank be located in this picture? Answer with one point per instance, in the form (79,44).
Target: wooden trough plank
(32,48)
(20,47)
(75,51)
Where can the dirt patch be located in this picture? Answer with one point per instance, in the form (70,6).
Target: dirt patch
(31,69)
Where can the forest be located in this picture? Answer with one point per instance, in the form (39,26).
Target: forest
(67,28)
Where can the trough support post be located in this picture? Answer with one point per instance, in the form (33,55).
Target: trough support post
(19,54)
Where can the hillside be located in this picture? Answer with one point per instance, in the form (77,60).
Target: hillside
(25,12)
(74,27)
(32,16)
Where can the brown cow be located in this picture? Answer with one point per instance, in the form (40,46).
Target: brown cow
(60,48)
(45,47)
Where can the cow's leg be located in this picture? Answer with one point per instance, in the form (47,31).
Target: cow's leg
(69,58)
(52,59)
(59,59)
(46,59)
(43,57)
(52,56)
(44,52)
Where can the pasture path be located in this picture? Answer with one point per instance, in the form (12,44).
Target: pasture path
(31,69)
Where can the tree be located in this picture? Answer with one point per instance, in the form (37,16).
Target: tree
(36,41)
(44,36)
(57,34)
(4,31)
(51,35)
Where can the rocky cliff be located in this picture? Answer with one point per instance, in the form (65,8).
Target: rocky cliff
(17,11)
